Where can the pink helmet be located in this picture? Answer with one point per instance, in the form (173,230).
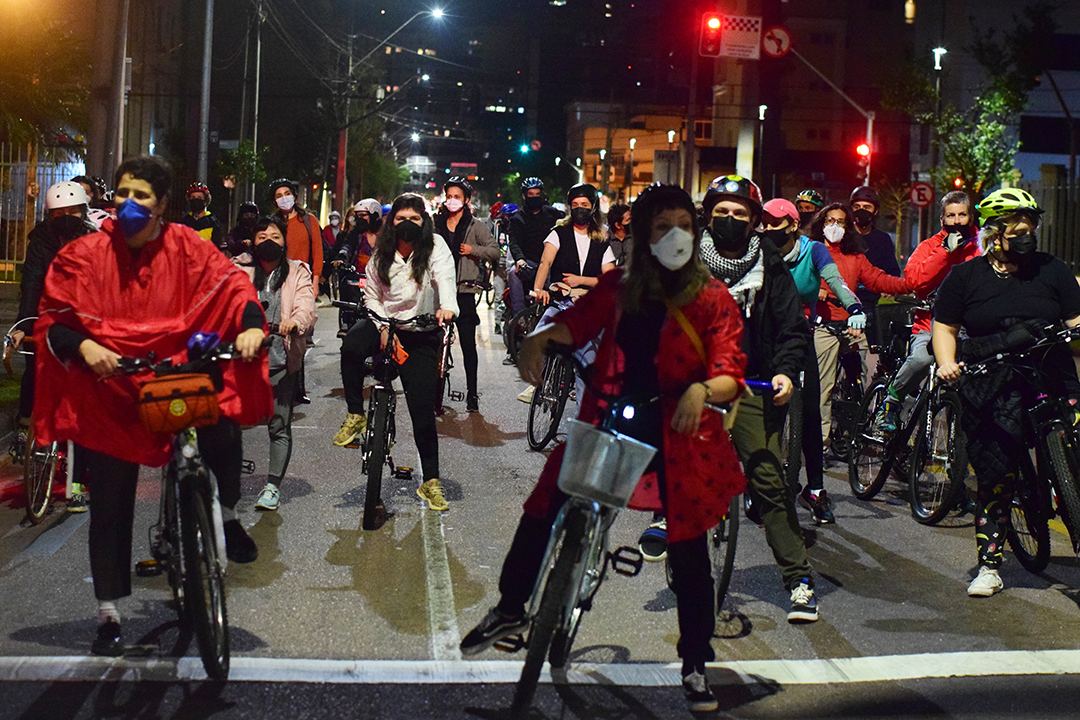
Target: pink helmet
(780,207)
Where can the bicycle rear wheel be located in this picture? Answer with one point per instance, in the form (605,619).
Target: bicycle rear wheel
(519,326)
(1064,466)
(722,540)
(938,461)
(548,402)
(1029,532)
(204,582)
(868,463)
(549,616)
(39,472)
(377,449)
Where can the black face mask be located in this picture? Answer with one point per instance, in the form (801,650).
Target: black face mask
(408,231)
(532,204)
(1021,248)
(248,221)
(68,227)
(806,217)
(729,234)
(361,224)
(966,231)
(580,215)
(269,251)
(778,236)
(863,217)
(197,206)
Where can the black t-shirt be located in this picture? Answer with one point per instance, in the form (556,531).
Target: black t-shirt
(982,302)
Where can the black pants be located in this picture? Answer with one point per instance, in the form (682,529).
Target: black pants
(26,389)
(466,322)
(113,484)
(419,376)
(813,447)
(691,579)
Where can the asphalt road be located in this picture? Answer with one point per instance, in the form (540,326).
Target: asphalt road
(333,621)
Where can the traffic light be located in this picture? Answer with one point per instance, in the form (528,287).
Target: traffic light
(863,151)
(958,183)
(711,24)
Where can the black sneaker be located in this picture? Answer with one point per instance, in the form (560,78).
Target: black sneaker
(803,603)
(494,627)
(238,544)
(472,403)
(508,360)
(699,697)
(819,506)
(107,642)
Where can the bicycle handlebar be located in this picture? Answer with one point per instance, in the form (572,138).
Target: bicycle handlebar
(1058,337)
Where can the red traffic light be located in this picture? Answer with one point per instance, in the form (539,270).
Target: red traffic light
(863,150)
(958,183)
(711,25)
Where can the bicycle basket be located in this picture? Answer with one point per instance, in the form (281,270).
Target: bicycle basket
(602,466)
(174,402)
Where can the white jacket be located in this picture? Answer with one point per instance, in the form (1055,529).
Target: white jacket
(402,299)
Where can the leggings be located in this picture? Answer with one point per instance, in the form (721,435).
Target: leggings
(466,322)
(994,456)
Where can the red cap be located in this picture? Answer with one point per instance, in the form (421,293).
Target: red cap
(780,207)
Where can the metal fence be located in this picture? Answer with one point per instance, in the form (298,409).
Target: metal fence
(26,172)
(1059,232)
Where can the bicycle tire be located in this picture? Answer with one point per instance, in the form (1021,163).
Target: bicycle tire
(548,399)
(937,471)
(440,383)
(378,434)
(1064,467)
(39,473)
(549,615)
(523,323)
(1029,530)
(868,477)
(791,442)
(204,582)
(722,542)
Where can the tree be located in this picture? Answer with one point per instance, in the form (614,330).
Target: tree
(244,164)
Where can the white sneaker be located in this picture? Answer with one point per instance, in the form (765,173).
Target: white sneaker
(986,583)
(526,395)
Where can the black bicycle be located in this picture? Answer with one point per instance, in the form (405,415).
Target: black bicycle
(446,364)
(549,401)
(846,396)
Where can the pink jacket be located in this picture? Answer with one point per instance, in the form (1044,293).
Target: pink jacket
(298,303)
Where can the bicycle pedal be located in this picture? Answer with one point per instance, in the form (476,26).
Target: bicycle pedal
(457,395)
(626,561)
(149,568)
(510,644)
(403,473)
(355,445)
(247,467)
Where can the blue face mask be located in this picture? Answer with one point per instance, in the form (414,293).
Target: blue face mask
(133,217)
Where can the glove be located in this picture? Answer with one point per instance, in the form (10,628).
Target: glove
(954,240)
(857,321)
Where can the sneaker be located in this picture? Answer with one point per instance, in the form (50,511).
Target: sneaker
(526,395)
(80,501)
(239,547)
(269,498)
(494,627)
(508,360)
(107,642)
(986,583)
(653,542)
(819,506)
(354,426)
(699,697)
(432,492)
(803,604)
(889,416)
(472,403)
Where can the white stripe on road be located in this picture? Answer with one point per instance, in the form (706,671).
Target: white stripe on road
(442,615)
(51,540)
(434,672)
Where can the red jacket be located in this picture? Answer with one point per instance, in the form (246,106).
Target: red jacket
(702,471)
(856,270)
(927,268)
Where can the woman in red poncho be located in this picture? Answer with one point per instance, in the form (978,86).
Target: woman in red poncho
(696,471)
(141,285)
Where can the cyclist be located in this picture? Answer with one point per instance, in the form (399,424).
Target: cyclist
(879,247)
(143,285)
(199,219)
(238,243)
(575,251)
(303,241)
(410,274)
(285,289)
(354,248)
(834,225)
(636,312)
(618,233)
(810,263)
(470,243)
(926,268)
(1011,284)
(67,206)
(95,190)
(527,229)
(808,202)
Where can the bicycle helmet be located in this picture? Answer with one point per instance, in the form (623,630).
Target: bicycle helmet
(198,187)
(584,190)
(369,205)
(65,194)
(248,207)
(529,183)
(284,182)
(508,209)
(811,196)
(1006,201)
(459,182)
(864,193)
(732,186)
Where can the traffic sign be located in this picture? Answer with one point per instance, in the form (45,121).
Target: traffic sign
(776,42)
(741,37)
(922,194)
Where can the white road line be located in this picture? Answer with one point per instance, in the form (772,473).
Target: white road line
(442,615)
(452,672)
(51,540)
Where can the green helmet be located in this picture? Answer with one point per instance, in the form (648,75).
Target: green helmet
(811,196)
(1006,201)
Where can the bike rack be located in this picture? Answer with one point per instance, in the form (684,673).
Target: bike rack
(626,561)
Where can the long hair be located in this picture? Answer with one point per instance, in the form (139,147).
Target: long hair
(260,275)
(386,242)
(995,229)
(852,243)
(596,228)
(645,277)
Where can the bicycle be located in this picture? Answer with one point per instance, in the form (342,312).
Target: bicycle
(378,440)
(548,401)
(446,364)
(188,542)
(846,396)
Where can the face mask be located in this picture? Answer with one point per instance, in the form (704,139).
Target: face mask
(806,217)
(286,203)
(197,206)
(532,204)
(361,224)
(269,251)
(454,205)
(674,249)
(581,215)
(68,227)
(408,231)
(133,217)
(778,236)
(248,221)
(863,217)
(729,234)
(1020,248)
(834,233)
(335,221)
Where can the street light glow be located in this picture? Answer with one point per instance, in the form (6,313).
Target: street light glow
(437,13)
(416,137)
(524,149)
(425,77)
(633,142)
(938,52)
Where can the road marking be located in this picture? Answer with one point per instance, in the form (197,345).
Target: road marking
(442,615)
(48,542)
(455,672)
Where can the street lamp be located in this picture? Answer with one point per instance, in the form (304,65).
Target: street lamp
(437,13)
(630,176)
(938,52)
(670,138)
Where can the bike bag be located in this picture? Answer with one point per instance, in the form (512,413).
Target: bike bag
(174,402)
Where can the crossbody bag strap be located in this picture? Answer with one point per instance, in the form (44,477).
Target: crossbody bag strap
(691,333)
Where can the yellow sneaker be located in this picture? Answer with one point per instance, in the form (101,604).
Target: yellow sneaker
(353,427)
(432,492)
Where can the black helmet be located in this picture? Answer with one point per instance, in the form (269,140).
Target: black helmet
(584,190)
(248,207)
(732,185)
(531,182)
(864,193)
(459,182)
(284,182)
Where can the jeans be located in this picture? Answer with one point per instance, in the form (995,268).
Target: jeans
(516,278)
(915,366)
(280,425)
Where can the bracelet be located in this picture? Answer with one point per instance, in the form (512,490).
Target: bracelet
(708,390)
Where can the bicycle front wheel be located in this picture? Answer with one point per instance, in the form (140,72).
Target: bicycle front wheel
(377,448)
(39,473)
(523,323)
(549,615)
(868,459)
(1063,463)
(938,461)
(722,540)
(791,441)
(204,582)
(548,401)
(1029,532)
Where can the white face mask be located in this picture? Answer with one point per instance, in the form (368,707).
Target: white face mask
(674,249)
(454,205)
(834,233)
(335,221)
(286,203)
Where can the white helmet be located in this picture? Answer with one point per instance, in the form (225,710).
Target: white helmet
(370,206)
(65,194)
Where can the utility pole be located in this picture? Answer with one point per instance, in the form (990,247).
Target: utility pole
(204,106)
(114,125)
(689,158)
(258,80)
(343,137)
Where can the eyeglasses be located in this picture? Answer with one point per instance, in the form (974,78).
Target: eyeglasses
(834,221)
